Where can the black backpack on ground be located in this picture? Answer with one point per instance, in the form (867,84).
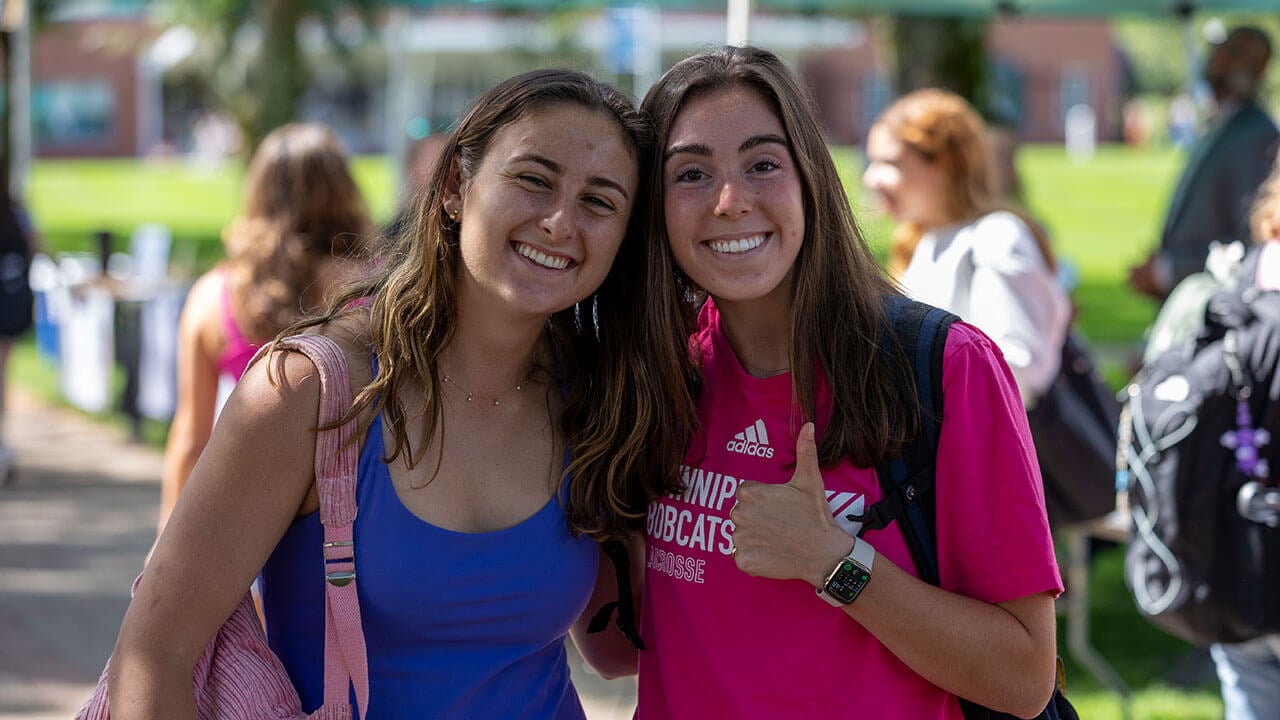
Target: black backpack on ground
(1197,451)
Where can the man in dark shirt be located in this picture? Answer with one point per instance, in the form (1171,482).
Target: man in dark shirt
(1211,201)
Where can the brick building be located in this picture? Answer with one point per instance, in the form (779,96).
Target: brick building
(89,88)
(95,94)
(1041,68)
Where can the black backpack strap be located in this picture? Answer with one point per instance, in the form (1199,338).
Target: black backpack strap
(626,622)
(921,330)
(908,482)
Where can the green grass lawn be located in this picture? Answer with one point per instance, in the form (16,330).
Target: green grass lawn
(1104,216)
(71,200)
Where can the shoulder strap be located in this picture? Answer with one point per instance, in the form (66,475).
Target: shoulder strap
(345,658)
(921,330)
(909,481)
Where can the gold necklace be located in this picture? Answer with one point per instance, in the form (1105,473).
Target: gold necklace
(471,396)
(765,372)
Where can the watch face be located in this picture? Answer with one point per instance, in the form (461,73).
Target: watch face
(847,582)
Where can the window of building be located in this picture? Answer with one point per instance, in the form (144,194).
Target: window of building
(72,113)
(86,9)
(1073,89)
(876,96)
(1008,102)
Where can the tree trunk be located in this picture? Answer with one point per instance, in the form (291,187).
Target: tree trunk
(280,77)
(942,52)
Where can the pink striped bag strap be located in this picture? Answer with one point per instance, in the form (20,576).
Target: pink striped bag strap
(345,659)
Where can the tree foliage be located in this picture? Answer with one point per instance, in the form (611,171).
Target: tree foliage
(941,52)
(1157,50)
(249,60)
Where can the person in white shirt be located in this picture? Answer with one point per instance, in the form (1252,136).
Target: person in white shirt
(956,245)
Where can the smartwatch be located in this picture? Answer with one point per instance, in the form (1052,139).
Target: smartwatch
(848,578)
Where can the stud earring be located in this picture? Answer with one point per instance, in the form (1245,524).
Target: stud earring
(454,216)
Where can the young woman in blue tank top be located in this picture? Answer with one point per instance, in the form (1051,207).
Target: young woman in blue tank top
(513,417)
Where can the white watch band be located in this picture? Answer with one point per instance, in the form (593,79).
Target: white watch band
(863,554)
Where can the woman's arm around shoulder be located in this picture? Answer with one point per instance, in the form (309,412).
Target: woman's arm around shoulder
(608,651)
(254,478)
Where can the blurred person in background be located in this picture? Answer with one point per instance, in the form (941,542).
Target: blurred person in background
(17,244)
(1211,200)
(419,162)
(299,235)
(958,246)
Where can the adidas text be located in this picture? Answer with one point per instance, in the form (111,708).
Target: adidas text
(744,447)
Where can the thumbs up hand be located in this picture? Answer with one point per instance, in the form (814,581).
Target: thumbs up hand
(786,531)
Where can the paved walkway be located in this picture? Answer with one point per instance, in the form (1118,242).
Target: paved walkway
(74,527)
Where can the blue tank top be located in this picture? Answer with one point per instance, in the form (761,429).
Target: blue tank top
(457,625)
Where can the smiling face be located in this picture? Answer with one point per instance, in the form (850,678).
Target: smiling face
(546,210)
(733,196)
(907,186)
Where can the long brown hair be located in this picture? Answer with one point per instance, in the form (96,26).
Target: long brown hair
(837,314)
(946,131)
(615,418)
(301,205)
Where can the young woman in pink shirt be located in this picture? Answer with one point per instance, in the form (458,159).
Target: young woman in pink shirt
(797,404)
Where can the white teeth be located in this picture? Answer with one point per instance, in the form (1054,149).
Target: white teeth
(740,245)
(541,258)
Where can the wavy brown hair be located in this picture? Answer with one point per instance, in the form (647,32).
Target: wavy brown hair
(301,205)
(1264,214)
(946,131)
(616,417)
(837,313)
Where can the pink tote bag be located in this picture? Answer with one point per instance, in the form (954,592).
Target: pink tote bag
(238,677)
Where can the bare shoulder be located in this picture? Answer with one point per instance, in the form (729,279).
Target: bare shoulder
(293,369)
(350,331)
(202,312)
(204,299)
(278,385)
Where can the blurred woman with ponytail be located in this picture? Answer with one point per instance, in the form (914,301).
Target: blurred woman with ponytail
(301,229)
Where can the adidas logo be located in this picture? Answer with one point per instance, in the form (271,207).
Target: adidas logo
(752,441)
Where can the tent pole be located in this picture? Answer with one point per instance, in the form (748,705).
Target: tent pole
(738,22)
(1189,50)
(397,92)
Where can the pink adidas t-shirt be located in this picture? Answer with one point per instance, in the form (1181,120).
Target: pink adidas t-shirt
(722,644)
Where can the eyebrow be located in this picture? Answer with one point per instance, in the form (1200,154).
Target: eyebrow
(558,169)
(700,149)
